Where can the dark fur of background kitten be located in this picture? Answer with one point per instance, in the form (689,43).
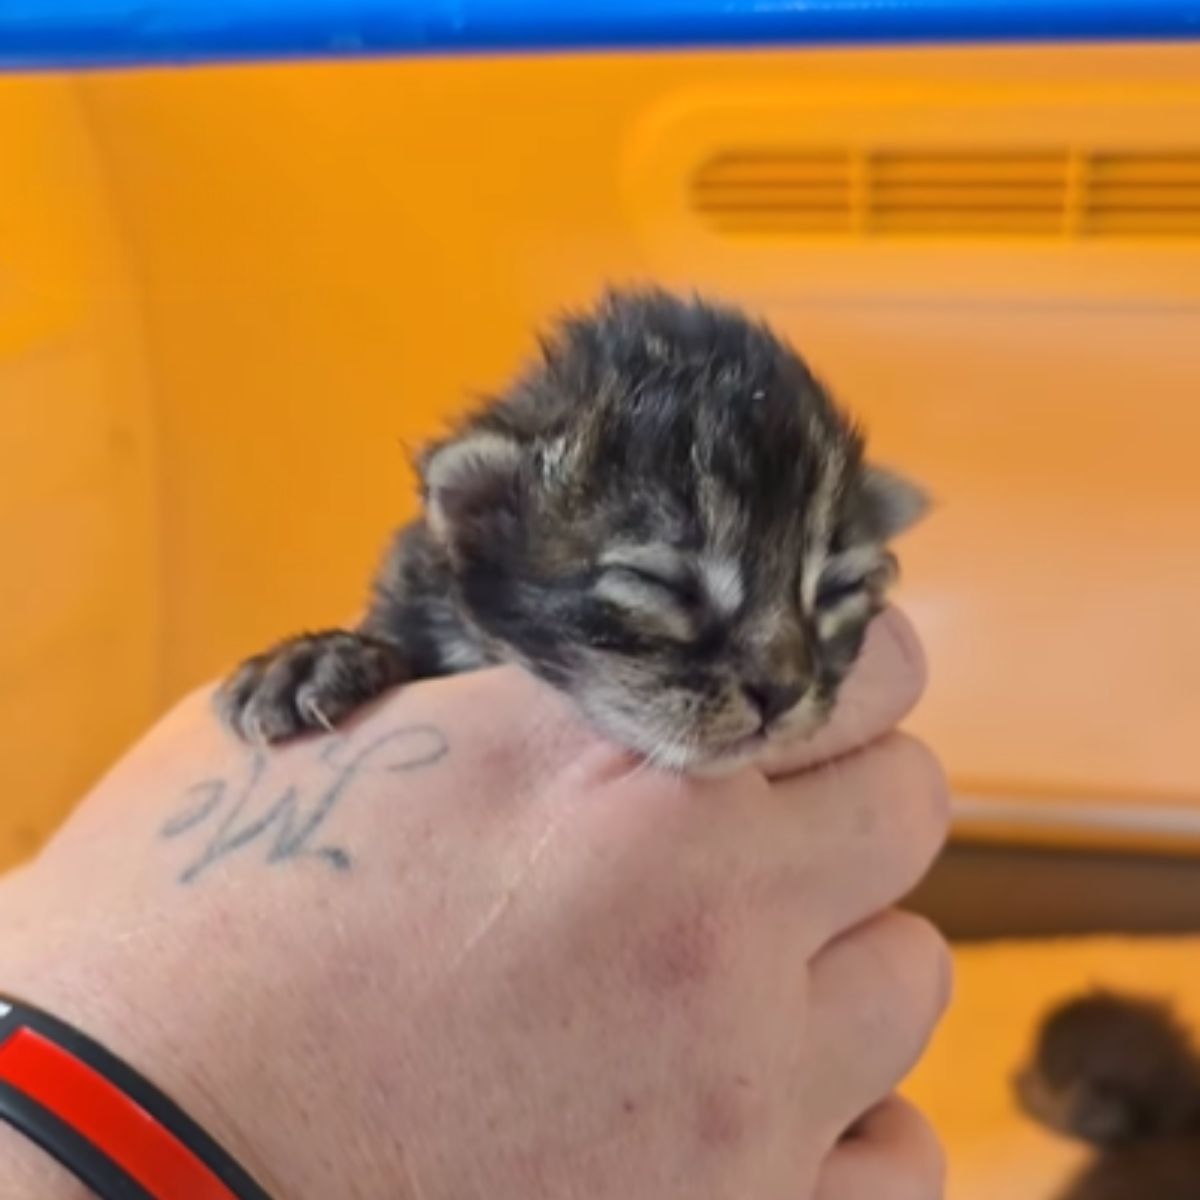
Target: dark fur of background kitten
(666,517)
(1122,1074)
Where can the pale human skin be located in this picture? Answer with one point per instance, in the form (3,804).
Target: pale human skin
(509,963)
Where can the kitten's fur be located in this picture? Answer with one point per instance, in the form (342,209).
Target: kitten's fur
(1120,1073)
(666,517)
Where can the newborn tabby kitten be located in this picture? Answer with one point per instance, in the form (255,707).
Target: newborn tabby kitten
(666,517)
(1122,1074)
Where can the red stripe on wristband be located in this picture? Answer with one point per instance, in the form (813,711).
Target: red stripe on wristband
(107,1118)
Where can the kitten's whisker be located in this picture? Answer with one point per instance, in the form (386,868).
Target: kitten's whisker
(674,750)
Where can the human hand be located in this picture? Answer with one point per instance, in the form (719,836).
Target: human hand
(467,950)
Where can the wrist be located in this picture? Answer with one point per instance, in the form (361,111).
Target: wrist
(107,994)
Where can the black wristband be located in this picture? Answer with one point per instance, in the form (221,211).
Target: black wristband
(113,1130)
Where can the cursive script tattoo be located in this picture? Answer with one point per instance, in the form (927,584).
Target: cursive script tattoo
(232,815)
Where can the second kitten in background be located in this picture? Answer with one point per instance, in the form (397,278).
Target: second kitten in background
(1122,1074)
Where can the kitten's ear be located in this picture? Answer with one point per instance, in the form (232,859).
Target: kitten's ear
(468,481)
(890,503)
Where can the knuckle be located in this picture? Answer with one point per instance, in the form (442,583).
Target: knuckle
(921,779)
(904,636)
(923,1173)
(902,988)
(922,966)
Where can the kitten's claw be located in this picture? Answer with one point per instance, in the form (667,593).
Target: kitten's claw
(310,707)
(309,683)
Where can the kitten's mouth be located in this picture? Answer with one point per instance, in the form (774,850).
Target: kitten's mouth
(744,749)
(746,744)
(728,756)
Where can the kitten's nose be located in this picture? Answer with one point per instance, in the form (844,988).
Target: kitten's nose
(773,699)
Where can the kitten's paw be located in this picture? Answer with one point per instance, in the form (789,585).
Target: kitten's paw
(307,683)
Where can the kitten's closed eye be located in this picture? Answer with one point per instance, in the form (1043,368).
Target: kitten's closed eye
(653,589)
(832,591)
(851,574)
(849,585)
(677,590)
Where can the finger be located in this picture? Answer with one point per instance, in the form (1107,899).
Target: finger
(857,835)
(881,691)
(893,1154)
(875,998)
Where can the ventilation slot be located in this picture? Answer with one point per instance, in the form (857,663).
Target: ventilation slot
(1143,195)
(894,194)
(966,194)
(776,193)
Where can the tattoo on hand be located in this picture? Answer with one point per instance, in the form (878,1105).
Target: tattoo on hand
(240,814)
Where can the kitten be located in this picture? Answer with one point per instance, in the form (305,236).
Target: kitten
(666,517)
(1121,1074)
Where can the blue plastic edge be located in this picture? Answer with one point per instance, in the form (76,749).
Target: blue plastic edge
(48,34)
